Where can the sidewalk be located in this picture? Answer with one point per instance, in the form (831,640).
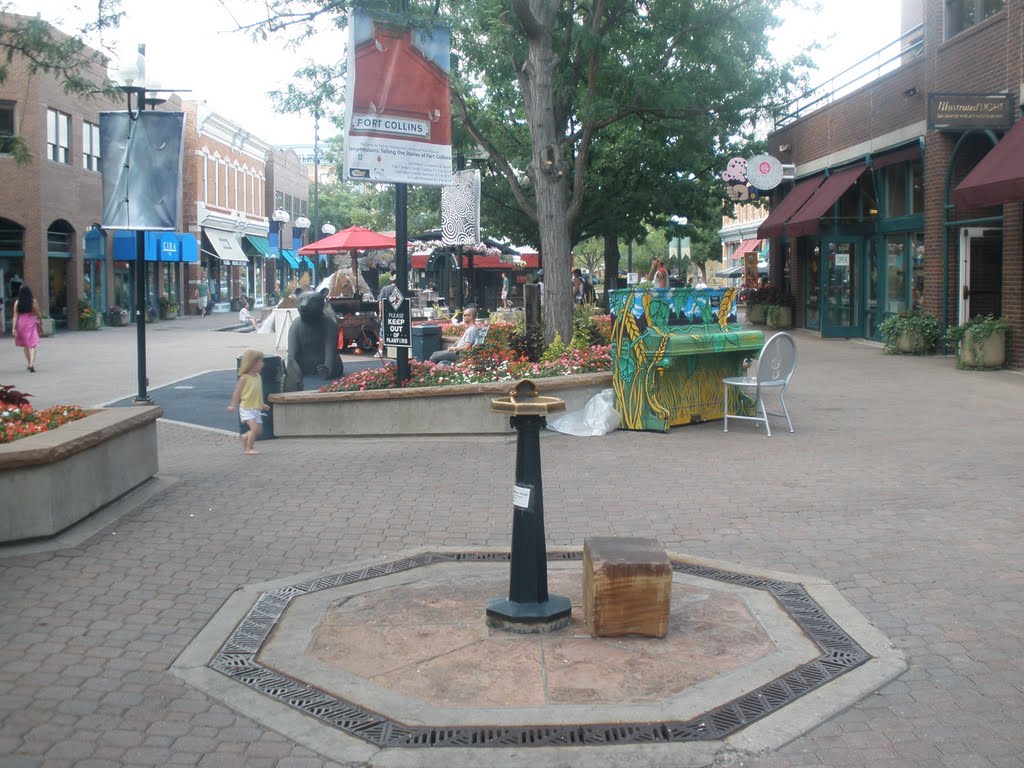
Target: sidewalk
(901,486)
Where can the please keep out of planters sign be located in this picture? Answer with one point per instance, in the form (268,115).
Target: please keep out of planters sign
(397,324)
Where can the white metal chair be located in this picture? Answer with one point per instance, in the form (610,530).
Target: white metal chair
(775,366)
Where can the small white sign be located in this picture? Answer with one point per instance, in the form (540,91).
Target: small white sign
(632,278)
(521,497)
(842,259)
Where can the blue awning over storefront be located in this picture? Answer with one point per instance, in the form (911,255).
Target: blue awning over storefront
(308,263)
(168,247)
(289,256)
(94,243)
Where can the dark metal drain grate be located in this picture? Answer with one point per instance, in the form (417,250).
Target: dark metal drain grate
(237,660)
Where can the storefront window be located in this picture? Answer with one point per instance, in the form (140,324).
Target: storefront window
(896,276)
(917,288)
(917,187)
(964,14)
(896,191)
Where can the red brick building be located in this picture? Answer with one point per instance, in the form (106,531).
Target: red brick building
(49,204)
(873,223)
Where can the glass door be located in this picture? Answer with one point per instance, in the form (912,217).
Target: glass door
(841,315)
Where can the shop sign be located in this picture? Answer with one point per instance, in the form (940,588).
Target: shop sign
(960,111)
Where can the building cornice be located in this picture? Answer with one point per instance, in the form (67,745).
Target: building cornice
(219,128)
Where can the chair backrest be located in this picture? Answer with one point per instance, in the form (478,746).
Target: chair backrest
(777,361)
(481,337)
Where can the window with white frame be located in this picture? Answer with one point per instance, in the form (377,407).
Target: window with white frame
(7,133)
(90,146)
(964,14)
(58,136)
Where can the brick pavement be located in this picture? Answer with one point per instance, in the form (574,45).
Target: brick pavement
(901,486)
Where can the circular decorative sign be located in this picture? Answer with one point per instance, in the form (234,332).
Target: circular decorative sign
(764,171)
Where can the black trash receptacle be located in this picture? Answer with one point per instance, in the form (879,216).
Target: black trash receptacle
(272,376)
(426,340)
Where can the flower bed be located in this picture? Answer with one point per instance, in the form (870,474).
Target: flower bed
(51,479)
(18,419)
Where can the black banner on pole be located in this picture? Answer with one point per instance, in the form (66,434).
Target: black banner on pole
(397,323)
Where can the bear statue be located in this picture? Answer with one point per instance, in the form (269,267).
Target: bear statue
(312,341)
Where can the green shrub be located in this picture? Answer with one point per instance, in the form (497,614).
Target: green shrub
(923,329)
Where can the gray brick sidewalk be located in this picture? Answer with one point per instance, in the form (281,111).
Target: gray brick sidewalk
(901,486)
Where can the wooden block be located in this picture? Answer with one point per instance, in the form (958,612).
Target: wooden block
(627,587)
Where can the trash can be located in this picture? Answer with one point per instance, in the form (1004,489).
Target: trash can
(272,376)
(426,340)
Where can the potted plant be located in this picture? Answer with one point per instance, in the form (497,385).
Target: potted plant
(756,309)
(915,332)
(88,318)
(778,307)
(980,342)
(168,307)
(48,326)
(116,316)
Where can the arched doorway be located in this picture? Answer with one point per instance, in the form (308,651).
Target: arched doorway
(59,249)
(12,267)
(973,240)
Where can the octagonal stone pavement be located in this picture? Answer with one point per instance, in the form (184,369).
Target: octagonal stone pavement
(901,486)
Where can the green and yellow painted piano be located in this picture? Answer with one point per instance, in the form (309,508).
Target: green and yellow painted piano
(671,348)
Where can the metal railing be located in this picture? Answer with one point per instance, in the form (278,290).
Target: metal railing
(906,47)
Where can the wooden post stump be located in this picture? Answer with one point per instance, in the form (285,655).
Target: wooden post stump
(627,587)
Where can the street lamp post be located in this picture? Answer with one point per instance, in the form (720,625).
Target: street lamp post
(302,224)
(281,217)
(132,75)
(327,230)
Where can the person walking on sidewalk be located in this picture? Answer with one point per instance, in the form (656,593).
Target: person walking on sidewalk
(27,325)
(248,397)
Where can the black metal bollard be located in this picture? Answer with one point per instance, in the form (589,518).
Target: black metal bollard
(528,608)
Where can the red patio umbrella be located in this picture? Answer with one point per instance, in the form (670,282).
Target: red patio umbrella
(352,239)
(355,238)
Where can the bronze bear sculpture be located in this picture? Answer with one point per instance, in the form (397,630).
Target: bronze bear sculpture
(312,341)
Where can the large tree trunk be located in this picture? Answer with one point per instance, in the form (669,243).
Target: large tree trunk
(548,172)
(611,264)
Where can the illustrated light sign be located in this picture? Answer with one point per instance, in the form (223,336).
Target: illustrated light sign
(398,106)
(748,178)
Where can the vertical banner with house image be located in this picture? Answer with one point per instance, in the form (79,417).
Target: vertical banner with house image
(398,105)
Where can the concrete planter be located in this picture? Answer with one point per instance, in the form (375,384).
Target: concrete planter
(991,353)
(52,480)
(779,318)
(49,327)
(460,410)
(756,314)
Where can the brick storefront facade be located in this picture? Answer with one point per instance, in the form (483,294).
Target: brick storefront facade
(901,258)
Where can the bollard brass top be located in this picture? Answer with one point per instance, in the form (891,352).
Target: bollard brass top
(523,400)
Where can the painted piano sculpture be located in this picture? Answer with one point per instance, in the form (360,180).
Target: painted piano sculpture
(671,348)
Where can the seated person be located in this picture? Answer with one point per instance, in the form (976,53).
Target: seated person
(246,317)
(465,342)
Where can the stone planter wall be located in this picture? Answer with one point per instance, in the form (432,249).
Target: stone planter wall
(458,410)
(54,479)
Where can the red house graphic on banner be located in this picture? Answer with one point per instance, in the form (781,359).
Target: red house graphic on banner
(399,91)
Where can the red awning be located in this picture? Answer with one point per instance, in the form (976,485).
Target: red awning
(526,261)
(896,156)
(773,225)
(999,177)
(746,247)
(806,220)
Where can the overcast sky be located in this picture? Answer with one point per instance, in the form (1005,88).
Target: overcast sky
(182,37)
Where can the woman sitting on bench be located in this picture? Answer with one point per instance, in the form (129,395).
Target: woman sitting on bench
(466,341)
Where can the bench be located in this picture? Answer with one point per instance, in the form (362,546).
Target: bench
(627,587)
